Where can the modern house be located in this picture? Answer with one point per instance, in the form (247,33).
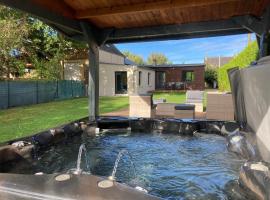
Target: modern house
(117,74)
(179,76)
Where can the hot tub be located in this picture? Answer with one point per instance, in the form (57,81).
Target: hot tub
(166,158)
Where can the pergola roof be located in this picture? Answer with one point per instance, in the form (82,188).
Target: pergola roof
(115,21)
(141,13)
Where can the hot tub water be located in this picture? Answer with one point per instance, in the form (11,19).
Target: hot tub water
(169,166)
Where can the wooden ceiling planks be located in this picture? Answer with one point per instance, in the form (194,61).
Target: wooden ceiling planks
(140,13)
(56,6)
(224,10)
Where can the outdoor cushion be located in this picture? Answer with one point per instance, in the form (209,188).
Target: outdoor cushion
(184,107)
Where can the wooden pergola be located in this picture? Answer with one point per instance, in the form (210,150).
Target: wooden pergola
(113,21)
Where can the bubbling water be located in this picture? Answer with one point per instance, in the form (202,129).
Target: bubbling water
(169,166)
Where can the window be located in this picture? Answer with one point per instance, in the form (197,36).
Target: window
(160,80)
(188,76)
(140,77)
(120,82)
(148,78)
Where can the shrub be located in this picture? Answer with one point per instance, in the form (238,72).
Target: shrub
(210,76)
(242,60)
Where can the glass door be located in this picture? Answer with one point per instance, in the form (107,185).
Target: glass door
(120,82)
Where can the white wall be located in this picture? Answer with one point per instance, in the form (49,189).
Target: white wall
(106,57)
(74,70)
(144,87)
(107,78)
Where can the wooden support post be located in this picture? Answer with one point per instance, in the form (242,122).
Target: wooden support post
(265,37)
(93,83)
(262,46)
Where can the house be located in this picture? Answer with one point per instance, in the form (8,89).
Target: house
(216,62)
(117,74)
(179,76)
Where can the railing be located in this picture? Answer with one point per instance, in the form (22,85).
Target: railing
(171,86)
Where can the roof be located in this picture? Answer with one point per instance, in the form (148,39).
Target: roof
(111,49)
(139,13)
(83,53)
(133,20)
(175,65)
(129,62)
(217,61)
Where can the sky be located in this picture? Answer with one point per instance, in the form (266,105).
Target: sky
(189,50)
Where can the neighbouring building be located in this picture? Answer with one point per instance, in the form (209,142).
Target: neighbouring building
(117,74)
(179,76)
(216,62)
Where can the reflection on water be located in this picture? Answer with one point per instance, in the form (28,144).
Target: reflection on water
(168,166)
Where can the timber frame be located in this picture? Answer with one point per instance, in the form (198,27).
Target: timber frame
(72,28)
(81,28)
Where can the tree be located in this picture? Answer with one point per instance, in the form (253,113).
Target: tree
(157,59)
(24,39)
(48,48)
(133,57)
(14,30)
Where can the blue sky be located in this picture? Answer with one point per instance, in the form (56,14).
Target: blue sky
(190,50)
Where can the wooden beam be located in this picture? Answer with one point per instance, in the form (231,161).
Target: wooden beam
(147,6)
(182,31)
(250,23)
(44,14)
(93,83)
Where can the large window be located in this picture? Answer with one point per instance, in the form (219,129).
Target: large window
(140,78)
(188,76)
(120,82)
(160,79)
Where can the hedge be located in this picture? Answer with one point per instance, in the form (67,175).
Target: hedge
(242,60)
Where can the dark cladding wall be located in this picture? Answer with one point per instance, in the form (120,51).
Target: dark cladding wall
(175,74)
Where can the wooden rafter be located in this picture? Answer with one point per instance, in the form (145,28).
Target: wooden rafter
(147,6)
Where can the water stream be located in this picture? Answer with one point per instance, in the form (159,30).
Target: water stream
(78,169)
(119,156)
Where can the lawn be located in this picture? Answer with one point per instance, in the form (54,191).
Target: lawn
(27,120)
(171,97)
(176,97)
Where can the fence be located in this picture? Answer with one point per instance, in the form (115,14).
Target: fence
(19,93)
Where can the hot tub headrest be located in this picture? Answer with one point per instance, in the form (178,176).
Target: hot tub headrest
(184,107)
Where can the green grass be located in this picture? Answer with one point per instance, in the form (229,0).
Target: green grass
(176,97)
(171,97)
(27,120)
